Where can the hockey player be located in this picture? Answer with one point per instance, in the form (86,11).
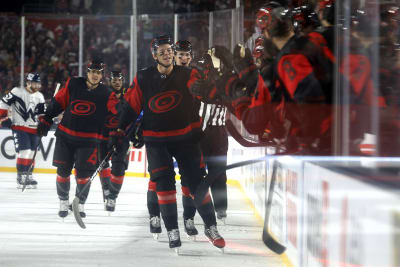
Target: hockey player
(85,104)
(171,128)
(183,56)
(112,179)
(25,104)
(292,101)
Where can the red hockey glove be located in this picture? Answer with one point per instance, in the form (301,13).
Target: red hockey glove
(44,125)
(117,139)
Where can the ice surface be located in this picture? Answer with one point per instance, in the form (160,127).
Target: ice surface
(32,234)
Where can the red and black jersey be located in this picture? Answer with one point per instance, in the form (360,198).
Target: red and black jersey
(112,121)
(169,112)
(84,111)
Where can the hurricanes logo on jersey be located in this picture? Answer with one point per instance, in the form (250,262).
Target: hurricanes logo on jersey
(165,101)
(82,107)
(111,122)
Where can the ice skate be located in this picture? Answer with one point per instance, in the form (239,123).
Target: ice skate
(174,240)
(63,212)
(221,215)
(155,226)
(214,237)
(21,180)
(30,182)
(110,205)
(190,229)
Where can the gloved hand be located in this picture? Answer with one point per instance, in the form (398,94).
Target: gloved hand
(44,125)
(203,88)
(225,55)
(245,67)
(137,139)
(5,122)
(117,139)
(40,108)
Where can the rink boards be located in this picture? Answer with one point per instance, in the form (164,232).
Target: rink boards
(325,214)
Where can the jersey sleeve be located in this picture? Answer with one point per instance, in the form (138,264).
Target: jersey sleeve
(59,102)
(131,106)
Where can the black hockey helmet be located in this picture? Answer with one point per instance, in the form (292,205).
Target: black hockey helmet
(275,19)
(160,40)
(116,74)
(304,16)
(183,45)
(96,64)
(33,77)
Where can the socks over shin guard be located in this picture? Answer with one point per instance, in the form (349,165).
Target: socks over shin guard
(115,185)
(168,208)
(206,210)
(63,186)
(189,209)
(152,200)
(105,176)
(80,183)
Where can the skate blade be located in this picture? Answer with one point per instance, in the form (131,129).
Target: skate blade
(156,236)
(176,250)
(191,237)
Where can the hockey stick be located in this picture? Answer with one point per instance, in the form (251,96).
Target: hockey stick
(75,202)
(240,139)
(267,238)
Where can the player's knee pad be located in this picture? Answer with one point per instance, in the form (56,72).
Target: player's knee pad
(63,171)
(118,169)
(165,183)
(152,186)
(83,173)
(106,172)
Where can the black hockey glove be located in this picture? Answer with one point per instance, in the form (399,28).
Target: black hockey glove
(117,139)
(223,53)
(6,123)
(137,139)
(40,108)
(44,126)
(245,67)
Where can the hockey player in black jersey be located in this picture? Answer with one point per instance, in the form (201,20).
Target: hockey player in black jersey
(171,128)
(112,178)
(182,56)
(24,105)
(85,102)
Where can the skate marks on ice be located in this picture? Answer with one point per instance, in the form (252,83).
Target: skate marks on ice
(32,234)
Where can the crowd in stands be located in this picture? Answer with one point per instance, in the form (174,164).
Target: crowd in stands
(52,43)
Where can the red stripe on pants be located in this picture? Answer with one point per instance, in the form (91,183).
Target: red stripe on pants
(166,197)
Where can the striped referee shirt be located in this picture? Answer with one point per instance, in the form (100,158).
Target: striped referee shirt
(212,114)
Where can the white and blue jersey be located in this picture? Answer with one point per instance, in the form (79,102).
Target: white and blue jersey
(21,106)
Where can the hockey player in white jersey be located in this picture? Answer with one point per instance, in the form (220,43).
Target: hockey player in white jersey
(22,105)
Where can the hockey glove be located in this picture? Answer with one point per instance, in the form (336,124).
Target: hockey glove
(223,54)
(6,123)
(40,108)
(137,140)
(245,67)
(203,89)
(44,125)
(117,139)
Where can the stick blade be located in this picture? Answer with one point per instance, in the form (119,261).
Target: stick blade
(271,243)
(77,215)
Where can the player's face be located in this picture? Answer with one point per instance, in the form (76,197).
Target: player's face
(94,76)
(116,83)
(34,86)
(183,58)
(165,54)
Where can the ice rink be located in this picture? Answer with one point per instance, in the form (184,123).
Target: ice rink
(32,234)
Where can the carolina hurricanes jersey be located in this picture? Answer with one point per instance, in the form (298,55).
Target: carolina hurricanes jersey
(85,111)
(22,105)
(169,112)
